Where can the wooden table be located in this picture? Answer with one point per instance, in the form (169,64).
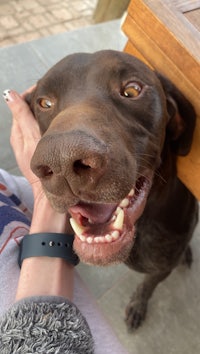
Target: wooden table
(166,35)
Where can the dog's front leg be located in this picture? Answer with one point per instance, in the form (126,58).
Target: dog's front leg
(137,307)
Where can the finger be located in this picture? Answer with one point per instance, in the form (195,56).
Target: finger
(22,114)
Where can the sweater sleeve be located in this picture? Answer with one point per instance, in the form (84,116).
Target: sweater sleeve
(45,325)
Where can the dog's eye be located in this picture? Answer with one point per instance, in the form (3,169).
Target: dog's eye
(132,90)
(45,103)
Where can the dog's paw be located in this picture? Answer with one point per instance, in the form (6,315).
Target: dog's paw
(135,314)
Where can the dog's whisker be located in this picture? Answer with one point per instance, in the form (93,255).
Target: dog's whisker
(158,174)
(143,154)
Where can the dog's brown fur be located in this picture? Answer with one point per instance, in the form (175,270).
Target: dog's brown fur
(98,142)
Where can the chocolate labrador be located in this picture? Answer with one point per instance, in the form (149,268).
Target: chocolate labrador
(111,132)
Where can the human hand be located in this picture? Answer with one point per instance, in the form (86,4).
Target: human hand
(25,135)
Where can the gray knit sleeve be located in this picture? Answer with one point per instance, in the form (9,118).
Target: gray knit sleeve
(45,325)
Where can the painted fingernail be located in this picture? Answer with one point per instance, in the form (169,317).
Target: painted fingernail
(6,95)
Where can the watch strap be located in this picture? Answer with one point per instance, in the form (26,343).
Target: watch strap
(49,245)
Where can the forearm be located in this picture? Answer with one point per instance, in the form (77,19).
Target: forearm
(46,275)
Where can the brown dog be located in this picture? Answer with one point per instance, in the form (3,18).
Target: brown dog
(111,130)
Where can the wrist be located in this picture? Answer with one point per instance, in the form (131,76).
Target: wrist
(46,219)
(48,244)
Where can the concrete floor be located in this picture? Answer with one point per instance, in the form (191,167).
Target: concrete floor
(173,321)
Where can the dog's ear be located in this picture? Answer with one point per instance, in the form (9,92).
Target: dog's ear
(182,118)
(29,99)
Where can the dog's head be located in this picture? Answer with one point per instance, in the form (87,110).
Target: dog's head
(104,119)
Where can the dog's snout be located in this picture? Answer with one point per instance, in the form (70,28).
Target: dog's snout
(93,162)
(43,171)
(77,157)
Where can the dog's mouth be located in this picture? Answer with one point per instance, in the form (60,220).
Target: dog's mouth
(105,233)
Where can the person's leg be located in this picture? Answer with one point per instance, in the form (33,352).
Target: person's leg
(105,339)
(14,224)
(19,186)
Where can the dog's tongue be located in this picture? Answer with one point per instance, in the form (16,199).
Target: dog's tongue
(96,213)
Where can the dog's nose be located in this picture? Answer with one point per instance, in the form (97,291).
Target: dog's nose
(79,158)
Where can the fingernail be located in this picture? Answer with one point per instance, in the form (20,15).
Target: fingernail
(7,95)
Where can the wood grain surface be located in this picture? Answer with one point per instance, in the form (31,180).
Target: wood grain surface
(166,36)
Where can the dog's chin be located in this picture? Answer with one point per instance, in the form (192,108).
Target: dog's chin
(104,254)
(105,233)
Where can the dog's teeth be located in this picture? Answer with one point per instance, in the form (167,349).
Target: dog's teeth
(115,234)
(124,203)
(118,223)
(78,229)
(117,211)
(82,238)
(89,239)
(108,238)
(131,193)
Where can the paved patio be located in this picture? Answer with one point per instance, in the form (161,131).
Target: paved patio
(22,20)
